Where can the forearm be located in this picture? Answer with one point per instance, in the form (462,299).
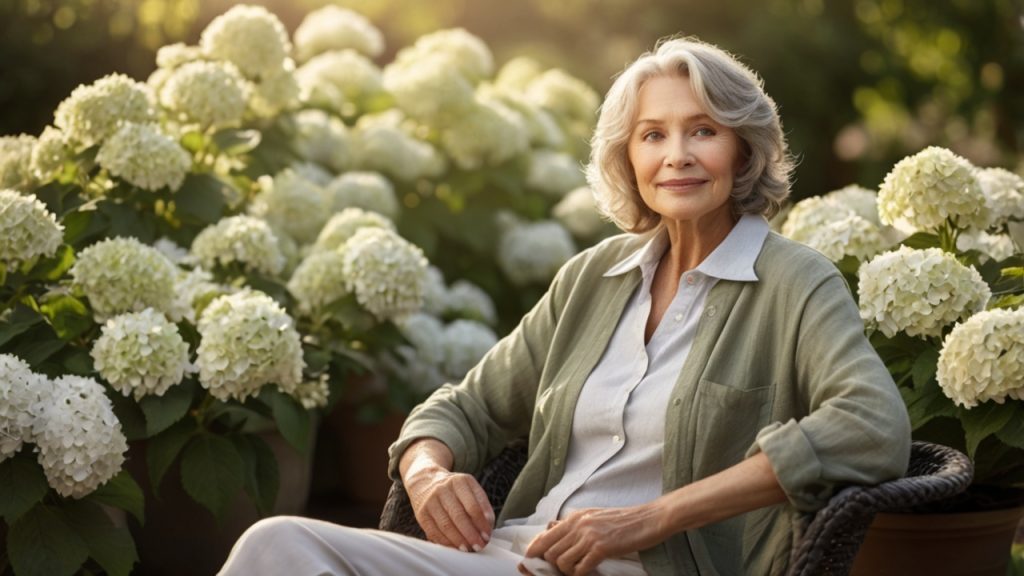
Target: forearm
(746,486)
(425,455)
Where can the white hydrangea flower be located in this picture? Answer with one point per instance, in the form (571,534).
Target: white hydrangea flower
(487,134)
(210,94)
(919,292)
(291,203)
(367,190)
(430,90)
(143,156)
(383,147)
(276,91)
(577,211)
(27,228)
(49,155)
(250,37)
(435,292)
(385,272)
(534,252)
(121,275)
(318,281)
(554,173)
(170,249)
(247,340)
(344,225)
(809,216)
(93,112)
(517,73)
(189,288)
(249,241)
(982,359)
(311,394)
(862,201)
(343,81)
(79,438)
(140,354)
(465,343)
(322,138)
(171,56)
(850,236)
(566,96)
(336,28)
(23,395)
(543,129)
(459,50)
(927,188)
(464,298)
(313,172)
(423,358)
(1005,193)
(997,247)
(16,162)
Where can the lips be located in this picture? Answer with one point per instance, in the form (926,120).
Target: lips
(681,183)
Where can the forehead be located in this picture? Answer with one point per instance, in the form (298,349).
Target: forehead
(667,96)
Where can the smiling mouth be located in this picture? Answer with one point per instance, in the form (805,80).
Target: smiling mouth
(681,183)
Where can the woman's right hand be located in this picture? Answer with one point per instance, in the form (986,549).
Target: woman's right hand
(451,507)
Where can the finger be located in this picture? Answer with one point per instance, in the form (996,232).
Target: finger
(470,495)
(569,560)
(434,534)
(543,541)
(462,528)
(589,562)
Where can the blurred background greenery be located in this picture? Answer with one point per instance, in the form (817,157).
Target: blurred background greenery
(861,83)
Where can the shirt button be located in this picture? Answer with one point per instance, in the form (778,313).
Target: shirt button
(616,438)
(557,462)
(677,401)
(679,317)
(690,280)
(712,311)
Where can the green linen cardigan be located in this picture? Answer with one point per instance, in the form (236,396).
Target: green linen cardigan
(780,365)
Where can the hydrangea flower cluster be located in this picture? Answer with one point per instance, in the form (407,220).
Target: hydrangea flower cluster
(292,204)
(566,96)
(79,438)
(422,359)
(344,225)
(247,340)
(140,354)
(529,253)
(250,37)
(541,127)
(171,56)
(430,90)
(435,293)
(243,239)
(554,173)
(121,275)
(850,236)
(927,188)
(516,74)
(49,155)
(311,394)
(322,138)
(1005,193)
(384,147)
(276,92)
(16,162)
(142,155)
(336,28)
(27,228)
(385,272)
(919,292)
(343,81)
(210,94)
(459,49)
(463,298)
(465,343)
(862,201)
(577,211)
(189,289)
(486,134)
(982,359)
(94,112)
(810,215)
(23,395)
(367,190)
(318,281)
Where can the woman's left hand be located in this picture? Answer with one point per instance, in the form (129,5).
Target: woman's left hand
(580,541)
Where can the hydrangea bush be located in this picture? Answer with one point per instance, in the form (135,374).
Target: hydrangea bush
(941,293)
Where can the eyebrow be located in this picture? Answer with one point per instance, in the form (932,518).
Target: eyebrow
(695,117)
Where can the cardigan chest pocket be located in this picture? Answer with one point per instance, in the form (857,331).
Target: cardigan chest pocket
(727,421)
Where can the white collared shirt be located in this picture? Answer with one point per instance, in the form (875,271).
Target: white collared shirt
(618,429)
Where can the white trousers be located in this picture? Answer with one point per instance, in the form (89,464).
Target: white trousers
(293,546)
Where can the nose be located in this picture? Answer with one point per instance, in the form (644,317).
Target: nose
(678,153)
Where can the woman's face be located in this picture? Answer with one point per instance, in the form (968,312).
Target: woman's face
(684,161)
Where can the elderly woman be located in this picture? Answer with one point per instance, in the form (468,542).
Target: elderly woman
(685,387)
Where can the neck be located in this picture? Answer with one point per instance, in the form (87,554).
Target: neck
(691,242)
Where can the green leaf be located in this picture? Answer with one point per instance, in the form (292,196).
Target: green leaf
(291,418)
(68,315)
(133,423)
(212,472)
(235,142)
(925,403)
(192,141)
(122,492)
(985,420)
(37,345)
(24,485)
(21,319)
(111,547)
(126,221)
(163,411)
(925,367)
(922,240)
(201,198)
(162,449)
(41,543)
(77,362)
(262,479)
(82,225)
(54,267)
(1012,433)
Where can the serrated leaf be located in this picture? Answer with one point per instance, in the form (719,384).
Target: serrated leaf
(41,543)
(291,418)
(68,316)
(54,267)
(925,367)
(24,485)
(926,403)
(212,472)
(983,421)
(262,478)
(922,240)
(111,547)
(201,198)
(122,492)
(163,411)
(163,449)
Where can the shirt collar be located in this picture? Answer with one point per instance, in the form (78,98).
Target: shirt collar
(733,259)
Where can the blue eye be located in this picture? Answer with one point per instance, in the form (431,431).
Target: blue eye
(704,131)
(652,135)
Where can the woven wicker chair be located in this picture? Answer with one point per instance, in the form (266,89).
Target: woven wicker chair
(825,543)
